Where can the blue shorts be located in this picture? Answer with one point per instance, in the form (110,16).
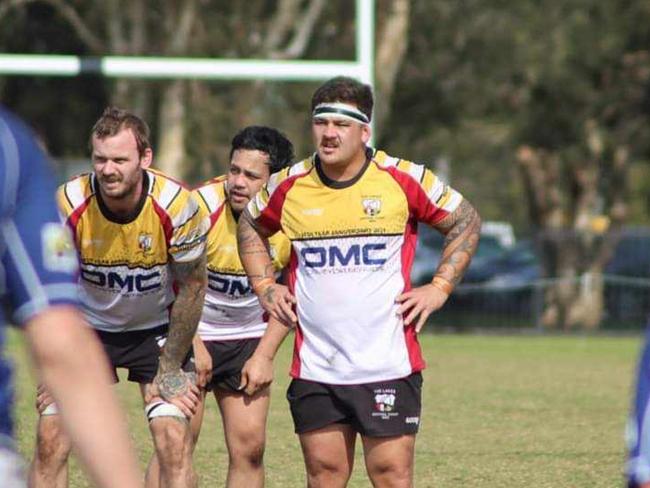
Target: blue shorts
(638,428)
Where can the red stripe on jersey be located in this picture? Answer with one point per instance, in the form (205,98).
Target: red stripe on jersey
(420,206)
(408,254)
(74,217)
(297,343)
(408,251)
(271,215)
(168,229)
(214,216)
(165,221)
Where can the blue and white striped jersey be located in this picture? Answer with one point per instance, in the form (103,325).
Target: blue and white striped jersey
(38,262)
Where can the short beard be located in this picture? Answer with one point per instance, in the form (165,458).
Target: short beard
(124,194)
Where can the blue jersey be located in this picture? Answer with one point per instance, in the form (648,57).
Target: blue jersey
(38,263)
(638,427)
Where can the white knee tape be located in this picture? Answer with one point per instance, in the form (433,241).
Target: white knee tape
(51,409)
(163,409)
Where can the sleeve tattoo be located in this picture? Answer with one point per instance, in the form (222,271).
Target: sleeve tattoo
(191,279)
(462,231)
(253,244)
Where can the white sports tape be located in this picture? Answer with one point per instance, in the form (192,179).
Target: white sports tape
(162,409)
(51,409)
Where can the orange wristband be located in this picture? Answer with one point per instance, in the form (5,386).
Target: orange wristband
(262,285)
(443,284)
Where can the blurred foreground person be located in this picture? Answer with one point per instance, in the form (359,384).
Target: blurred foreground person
(38,283)
(638,428)
(141,240)
(351,213)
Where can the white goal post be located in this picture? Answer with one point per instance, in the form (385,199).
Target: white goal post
(206,68)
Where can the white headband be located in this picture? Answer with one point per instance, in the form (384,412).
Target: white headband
(341,111)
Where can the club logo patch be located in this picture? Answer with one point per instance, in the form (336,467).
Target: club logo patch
(59,254)
(385,403)
(371,206)
(144,242)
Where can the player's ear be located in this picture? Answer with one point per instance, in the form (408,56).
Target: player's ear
(147,158)
(365,133)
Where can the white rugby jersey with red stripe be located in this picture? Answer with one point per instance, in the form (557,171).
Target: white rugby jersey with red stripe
(353,245)
(125,280)
(231,309)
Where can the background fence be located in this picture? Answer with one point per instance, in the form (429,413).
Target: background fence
(514,286)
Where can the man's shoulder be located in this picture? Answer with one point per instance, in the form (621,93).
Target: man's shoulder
(75,192)
(166,191)
(211,194)
(160,180)
(401,167)
(291,173)
(385,160)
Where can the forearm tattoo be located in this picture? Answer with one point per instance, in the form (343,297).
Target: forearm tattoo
(253,245)
(462,231)
(191,280)
(269,295)
(172,384)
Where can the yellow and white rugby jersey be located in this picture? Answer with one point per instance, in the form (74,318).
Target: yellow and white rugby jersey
(231,310)
(353,245)
(125,279)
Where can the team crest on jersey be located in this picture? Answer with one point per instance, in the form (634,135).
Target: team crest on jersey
(59,253)
(371,206)
(144,242)
(385,403)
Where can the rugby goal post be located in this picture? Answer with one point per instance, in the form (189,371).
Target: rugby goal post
(207,68)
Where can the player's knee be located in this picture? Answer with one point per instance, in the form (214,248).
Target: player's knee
(395,473)
(329,478)
(320,469)
(52,445)
(173,442)
(249,453)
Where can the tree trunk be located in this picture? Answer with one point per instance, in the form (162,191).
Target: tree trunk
(392,42)
(171,130)
(573,249)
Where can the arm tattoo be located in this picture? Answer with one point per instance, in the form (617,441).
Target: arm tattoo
(462,231)
(269,295)
(253,245)
(172,384)
(191,280)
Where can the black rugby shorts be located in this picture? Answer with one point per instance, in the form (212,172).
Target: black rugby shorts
(228,358)
(381,409)
(138,351)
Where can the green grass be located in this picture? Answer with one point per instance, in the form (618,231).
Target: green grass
(497,412)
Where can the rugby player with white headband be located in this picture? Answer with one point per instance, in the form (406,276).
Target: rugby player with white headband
(351,213)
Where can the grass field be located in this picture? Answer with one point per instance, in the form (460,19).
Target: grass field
(497,412)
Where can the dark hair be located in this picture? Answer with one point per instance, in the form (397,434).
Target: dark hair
(266,140)
(113,120)
(347,90)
